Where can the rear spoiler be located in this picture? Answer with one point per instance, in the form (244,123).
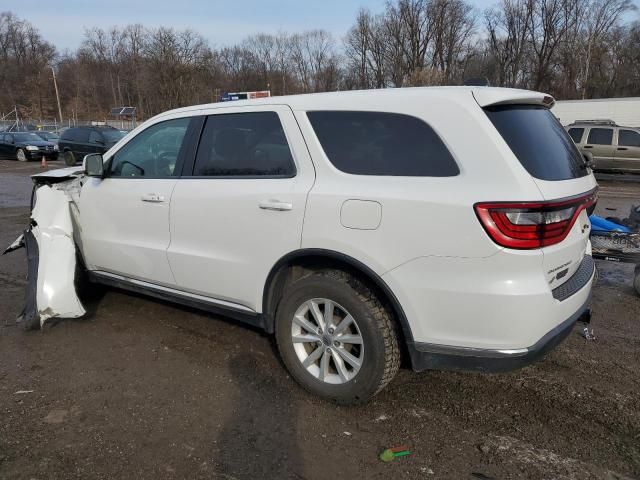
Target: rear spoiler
(508,96)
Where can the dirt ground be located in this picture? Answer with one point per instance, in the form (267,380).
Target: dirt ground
(145,389)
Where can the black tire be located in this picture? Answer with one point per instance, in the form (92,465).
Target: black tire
(21,156)
(381,359)
(636,279)
(69,158)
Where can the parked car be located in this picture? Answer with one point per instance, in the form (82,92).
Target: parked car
(447,224)
(613,147)
(25,146)
(76,142)
(48,136)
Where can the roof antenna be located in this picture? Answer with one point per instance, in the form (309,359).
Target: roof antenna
(477,82)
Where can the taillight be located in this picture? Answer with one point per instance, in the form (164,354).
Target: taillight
(528,225)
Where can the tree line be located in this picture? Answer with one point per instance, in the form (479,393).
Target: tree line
(569,48)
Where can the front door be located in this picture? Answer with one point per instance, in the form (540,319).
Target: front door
(243,207)
(628,150)
(125,216)
(600,144)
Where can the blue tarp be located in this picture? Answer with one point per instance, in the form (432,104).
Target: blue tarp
(599,224)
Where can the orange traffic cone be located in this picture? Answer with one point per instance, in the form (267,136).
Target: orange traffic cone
(43,163)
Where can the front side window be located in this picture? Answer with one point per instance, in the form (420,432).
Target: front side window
(628,138)
(576,134)
(251,144)
(379,143)
(600,136)
(95,137)
(152,153)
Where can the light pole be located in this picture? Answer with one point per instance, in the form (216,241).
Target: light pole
(55,85)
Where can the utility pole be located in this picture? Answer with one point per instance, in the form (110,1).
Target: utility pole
(55,85)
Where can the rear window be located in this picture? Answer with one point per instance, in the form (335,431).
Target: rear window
(378,143)
(537,139)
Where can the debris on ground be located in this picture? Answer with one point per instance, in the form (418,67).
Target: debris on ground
(392,453)
(588,334)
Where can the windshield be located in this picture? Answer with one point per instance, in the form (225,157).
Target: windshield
(51,136)
(26,137)
(112,135)
(539,141)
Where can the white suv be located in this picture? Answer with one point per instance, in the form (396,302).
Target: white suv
(448,224)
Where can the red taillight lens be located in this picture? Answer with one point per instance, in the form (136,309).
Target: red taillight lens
(527,225)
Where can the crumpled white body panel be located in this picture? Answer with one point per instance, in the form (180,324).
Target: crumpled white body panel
(56,293)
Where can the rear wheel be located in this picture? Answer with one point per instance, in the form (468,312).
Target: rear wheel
(636,279)
(336,338)
(69,158)
(21,156)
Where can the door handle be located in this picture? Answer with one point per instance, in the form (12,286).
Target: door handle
(152,197)
(276,205)
(588,146)
(623,148)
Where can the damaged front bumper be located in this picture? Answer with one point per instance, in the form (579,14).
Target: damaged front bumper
(51,257)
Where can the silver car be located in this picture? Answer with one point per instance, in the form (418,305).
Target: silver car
(613,147)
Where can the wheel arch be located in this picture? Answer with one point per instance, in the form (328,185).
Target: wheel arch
(296,263)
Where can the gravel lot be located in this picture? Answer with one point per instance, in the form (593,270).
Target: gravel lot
(145,389)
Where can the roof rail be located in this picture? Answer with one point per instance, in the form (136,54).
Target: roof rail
(601,121)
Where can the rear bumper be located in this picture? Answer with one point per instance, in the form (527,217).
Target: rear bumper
(440,357)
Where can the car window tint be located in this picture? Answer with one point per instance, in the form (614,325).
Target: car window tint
(81,135)
(628,138)
(95,137)
(576,134)
(244,144)
(152,153)
(378,143)
(600,136)
(538,140)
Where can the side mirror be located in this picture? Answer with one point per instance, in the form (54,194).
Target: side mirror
(93,165)
(588,159)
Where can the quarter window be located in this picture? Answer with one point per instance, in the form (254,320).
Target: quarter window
(154,153)
(378,143)
(576,134)
(251,144)
(600,136)
(628,138)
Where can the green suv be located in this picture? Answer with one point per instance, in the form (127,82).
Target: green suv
(613,148)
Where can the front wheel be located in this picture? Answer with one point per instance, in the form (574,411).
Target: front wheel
(335,337)
(69,158)
(21,156)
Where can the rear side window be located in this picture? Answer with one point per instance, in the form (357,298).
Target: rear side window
(378,143)
(628,138)
(600,136)
(539,141)
(576,134)
(251,144)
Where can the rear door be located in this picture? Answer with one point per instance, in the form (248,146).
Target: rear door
(242,208)
(628,150)
(125,216)
(547,152)
(600,143)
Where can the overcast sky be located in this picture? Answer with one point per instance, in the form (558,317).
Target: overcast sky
(62,22)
